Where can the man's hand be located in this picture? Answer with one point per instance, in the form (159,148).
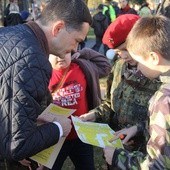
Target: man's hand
(41,167)
(26,163)
(65,124)
(108,154)
(88,117)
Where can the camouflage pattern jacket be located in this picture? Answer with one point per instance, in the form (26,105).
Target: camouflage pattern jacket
(158,146)
(128,93)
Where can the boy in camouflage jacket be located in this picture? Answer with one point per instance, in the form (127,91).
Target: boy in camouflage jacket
(149,44)
(128,93)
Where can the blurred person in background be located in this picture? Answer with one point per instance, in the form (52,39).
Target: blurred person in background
(144,10)
(99,24)
(167,10)
(26,16)
(125,8)
(12,14)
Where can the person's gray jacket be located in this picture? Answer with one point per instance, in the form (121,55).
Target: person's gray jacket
(24,76)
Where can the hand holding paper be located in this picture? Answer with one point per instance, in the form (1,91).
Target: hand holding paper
(88,117)
(65,124)
(53,113)
(96,134)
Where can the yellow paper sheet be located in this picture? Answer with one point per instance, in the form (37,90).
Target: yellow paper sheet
(96,134)
(48,156)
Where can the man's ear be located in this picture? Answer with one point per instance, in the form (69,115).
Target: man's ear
(57,26)
(155,58)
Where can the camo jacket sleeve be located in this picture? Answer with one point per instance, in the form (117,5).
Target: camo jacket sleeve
(103,112)
(158,146)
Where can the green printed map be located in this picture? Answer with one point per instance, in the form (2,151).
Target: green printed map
(96,134)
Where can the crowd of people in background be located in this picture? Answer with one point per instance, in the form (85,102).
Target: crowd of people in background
(106,13)
(110,10)
(13,15)
(43,57)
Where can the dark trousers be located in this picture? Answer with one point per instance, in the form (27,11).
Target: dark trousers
(81,155)
(12,165)
(98,44)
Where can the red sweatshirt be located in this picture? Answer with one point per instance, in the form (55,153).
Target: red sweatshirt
(72,91)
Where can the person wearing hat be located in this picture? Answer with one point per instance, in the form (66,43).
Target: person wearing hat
(148,43)
(128,90)
(26,16)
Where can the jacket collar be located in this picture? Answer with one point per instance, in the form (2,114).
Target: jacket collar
(165,77)
(40,36)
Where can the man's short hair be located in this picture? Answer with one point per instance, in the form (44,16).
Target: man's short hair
(72,12)
(150,34)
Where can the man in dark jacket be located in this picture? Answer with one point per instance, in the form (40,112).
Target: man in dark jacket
(24,76)
(100,24)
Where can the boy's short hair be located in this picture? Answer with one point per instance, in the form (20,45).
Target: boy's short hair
(73,12)
(150,34)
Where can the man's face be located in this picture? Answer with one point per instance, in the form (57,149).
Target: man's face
(67,41)
(123,3)
(146,66)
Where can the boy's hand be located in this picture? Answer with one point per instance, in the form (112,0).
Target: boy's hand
(75,56)
(128,133)
(88,117)
(108,154)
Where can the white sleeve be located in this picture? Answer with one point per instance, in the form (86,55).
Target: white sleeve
(60,128)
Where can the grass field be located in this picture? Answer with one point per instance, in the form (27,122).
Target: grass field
(91,34)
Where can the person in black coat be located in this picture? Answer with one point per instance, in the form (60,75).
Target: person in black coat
(100,24)
(24,76)
(167,11)
(14,16)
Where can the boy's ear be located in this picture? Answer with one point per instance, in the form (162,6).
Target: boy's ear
(57,26)
(155,58)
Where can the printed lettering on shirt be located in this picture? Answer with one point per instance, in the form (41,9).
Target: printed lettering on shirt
(68,96)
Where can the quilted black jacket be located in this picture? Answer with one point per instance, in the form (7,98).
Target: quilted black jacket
(24,75)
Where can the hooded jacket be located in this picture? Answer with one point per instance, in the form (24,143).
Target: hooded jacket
(100,23)
(13,19)
(24,76)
